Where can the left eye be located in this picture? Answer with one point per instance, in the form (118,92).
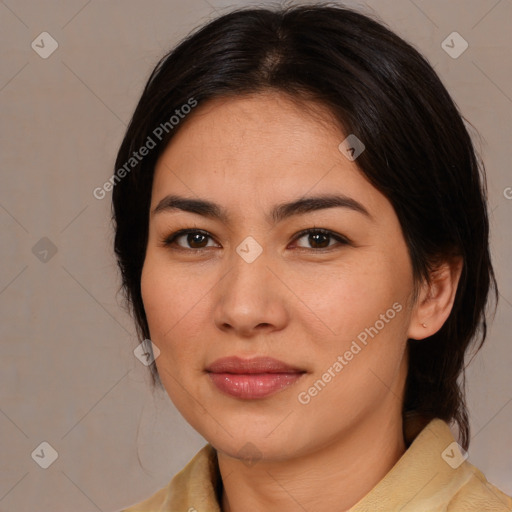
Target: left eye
(318,238)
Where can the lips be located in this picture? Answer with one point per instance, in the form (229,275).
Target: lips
(254,378)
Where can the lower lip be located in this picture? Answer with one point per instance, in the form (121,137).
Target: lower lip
(254,385)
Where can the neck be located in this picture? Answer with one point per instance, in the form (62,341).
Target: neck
(333,477)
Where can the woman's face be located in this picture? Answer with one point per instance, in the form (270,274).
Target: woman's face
(334,309)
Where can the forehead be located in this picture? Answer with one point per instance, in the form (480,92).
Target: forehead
(258,145)
(245,125)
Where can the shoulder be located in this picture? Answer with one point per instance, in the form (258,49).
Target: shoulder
(434,475)
(477,494)
(456,482)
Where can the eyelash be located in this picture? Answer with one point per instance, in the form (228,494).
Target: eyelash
(168,241)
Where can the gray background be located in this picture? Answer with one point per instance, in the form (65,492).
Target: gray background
(69,375)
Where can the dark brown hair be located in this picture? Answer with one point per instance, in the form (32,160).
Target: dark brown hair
(419,154)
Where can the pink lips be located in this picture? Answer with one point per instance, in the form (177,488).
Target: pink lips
(254,378)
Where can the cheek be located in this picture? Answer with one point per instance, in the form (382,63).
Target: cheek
(169,311)
(161,305)
(350,299)
(357,363)
(155,296)
(166,295)
(175,306)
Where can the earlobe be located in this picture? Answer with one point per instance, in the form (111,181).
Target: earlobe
(435,300)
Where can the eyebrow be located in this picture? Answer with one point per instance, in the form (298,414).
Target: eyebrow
(278,213)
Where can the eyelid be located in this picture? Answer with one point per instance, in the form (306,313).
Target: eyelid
(169,240)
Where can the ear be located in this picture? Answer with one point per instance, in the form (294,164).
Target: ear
(435,300)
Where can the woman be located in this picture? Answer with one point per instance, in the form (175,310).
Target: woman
(302,232)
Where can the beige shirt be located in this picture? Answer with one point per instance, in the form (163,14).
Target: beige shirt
(431,476)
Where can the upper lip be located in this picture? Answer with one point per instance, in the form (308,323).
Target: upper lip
(239,365)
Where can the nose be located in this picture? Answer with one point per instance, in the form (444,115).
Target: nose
(251,299)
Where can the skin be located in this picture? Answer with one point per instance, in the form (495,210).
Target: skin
(297,302)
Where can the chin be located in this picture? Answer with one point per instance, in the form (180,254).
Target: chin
(251,443)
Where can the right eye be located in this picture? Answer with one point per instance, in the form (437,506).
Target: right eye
(195,239)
